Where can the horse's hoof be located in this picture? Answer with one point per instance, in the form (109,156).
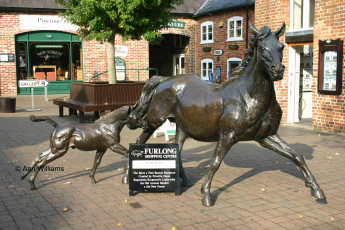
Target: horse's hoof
(319,194)
(93,181)
(33,187)
(206,201)
(124,180)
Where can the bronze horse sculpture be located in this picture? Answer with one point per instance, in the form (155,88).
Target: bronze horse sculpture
(104,133)
(241,109)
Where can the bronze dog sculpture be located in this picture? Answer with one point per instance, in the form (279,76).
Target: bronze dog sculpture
(241,109)
(104,133)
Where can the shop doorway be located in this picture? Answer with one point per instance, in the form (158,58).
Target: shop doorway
(49,55)
(300,93)
(169,56)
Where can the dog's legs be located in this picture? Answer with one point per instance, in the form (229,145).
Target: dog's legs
(34,163)
(49,157)
(98,159)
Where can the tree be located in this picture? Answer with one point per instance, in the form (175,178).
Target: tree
(132,19)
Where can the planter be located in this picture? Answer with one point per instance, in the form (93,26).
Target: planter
(206,49)
(7,104)
(233,47)
(103,93)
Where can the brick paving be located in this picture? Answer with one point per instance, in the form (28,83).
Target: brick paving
(253,189)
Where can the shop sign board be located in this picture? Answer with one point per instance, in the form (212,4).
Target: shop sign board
(32,83)
(120,66)
(6,57)
(121,51)
(174,23)
(154,168)
(44,22)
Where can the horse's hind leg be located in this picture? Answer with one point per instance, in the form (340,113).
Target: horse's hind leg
(49,157)
(276,144)
(180,138)
(97,161)
(34,163)
(145,135)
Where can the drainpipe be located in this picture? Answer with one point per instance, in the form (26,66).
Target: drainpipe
(247,24)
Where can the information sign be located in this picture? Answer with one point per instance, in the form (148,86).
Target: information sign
(154,168)
(32,83)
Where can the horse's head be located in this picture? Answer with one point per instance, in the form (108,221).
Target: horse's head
(134,120)
(269,51)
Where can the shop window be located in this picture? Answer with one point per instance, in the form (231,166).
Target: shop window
(49,55)
(235,28)
(232,63)
(206,68)
(206,32)
(302,14)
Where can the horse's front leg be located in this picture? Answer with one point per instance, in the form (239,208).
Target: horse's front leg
(146,134)
(120,149)
(180,138)
(276,144)
(97,161)
(223,146)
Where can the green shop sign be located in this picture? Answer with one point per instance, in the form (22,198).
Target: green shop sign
(176,24)
(120,66)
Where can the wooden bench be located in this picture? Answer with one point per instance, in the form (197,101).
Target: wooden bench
(99,97)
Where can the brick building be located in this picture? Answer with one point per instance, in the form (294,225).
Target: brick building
(204,37)
(35,44)
(313,85)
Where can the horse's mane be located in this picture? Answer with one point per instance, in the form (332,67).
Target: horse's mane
(248,55)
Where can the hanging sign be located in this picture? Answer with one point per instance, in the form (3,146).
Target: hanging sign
(154,168)
(121,51)
(218,52)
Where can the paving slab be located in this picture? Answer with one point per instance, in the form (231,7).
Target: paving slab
(254,188)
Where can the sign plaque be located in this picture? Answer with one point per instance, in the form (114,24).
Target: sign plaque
(154,168)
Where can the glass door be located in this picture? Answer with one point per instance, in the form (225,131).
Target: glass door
(179,64)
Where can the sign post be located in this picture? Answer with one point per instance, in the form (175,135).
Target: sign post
(154,168)
(34,84)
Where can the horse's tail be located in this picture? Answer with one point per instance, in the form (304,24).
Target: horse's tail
(147,93)
(43,118)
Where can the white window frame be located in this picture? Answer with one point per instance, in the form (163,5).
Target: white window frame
(207,24)
(234,59)
(305,14)
(235,19)
(207,61)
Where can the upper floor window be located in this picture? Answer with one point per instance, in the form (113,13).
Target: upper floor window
(235,28)
(206,68)
(302,14)
(206,32)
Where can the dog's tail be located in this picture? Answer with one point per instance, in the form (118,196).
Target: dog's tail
(43,118)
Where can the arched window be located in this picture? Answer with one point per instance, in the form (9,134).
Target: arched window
(206,68)
(231,64)
(206,32)
(235,25)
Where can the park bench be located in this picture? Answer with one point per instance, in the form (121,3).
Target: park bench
(99,97)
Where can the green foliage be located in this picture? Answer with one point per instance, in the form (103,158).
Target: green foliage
(101,19)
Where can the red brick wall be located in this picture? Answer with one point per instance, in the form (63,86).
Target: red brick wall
(219,38)
(273,13)
(328,111)
(94,53)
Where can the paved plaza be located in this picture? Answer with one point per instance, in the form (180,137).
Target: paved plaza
(254,188)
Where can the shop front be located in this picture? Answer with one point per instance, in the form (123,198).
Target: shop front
(49,55)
